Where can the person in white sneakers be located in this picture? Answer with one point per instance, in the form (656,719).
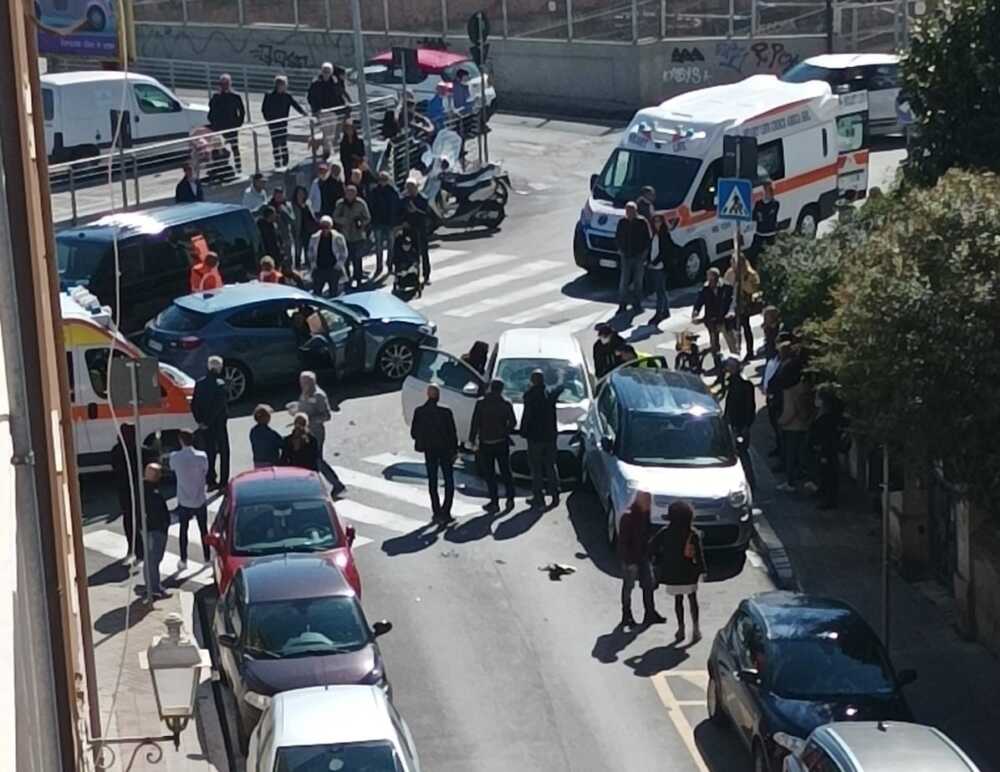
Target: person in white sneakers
(190,467)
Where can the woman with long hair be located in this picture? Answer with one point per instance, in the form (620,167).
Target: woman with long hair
(300,448)
(680,564)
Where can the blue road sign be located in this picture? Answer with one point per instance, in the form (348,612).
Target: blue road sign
(735,198)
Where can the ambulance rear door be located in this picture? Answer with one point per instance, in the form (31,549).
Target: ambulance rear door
(81,424)
(852,145)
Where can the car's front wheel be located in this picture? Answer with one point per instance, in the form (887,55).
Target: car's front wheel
(237,378)
(713,702)
(396,360)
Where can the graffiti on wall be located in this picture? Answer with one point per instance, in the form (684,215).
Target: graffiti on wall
(268,54)
(762,56)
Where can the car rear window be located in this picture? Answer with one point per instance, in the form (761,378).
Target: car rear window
(80,259)
(804,72)
(174,318)
(377,756)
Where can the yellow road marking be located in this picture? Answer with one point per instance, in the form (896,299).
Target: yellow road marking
(681,724)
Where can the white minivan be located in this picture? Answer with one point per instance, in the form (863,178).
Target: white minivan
(81,109)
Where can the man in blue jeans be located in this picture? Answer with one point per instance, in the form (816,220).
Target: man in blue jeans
(190,467)
(434,434)
(632,238)
(157,523)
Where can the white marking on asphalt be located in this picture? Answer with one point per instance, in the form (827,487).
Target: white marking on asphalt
(544,310)
(468,266)
(360,513)
(115,545)
(411,494)
(512,297)
(440,255)
(581,323)
(462,479)
(754,559)
(487,283)
(676,715)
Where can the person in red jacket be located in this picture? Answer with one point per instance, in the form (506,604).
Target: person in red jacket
(633,552)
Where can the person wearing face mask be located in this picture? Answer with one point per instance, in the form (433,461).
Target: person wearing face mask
(608,341)
(210,408)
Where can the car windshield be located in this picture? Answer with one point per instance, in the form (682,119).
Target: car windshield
(678,440)
(830,663)
(309,627)
(377,756)
(516,376)
(80,259)
(174,318)
(276,527)
(804,72)
(627,171)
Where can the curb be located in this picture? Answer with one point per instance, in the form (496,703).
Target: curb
(775,556)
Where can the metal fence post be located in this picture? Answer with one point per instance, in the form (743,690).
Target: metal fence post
(122,172)
(754,21)
(241,13)
(503,13)
(663,19)
(135,178)
(569,20)
(326,8)
(72,193)
(246,91)
(444,18)
(295,13)
(635,21)
(732,17)
(208,80)
(184,11)
(256,151)
(173,78)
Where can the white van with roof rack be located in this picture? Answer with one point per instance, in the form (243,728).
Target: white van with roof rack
(811,144)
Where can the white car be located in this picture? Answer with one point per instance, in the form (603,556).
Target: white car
(332,727)
(516,355)
(878,74)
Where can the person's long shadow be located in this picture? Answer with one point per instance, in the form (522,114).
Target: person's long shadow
(519,524)
(657,660)
(416,540)
(113,622)
(607,646)
(473,529)
(590,524)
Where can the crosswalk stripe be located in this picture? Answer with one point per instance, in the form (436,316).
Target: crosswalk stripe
(468,266)
(462,479)
(360,513)
(544,310)
(115,545)
(440,254)
(411,494)
(512,297)
(488,283)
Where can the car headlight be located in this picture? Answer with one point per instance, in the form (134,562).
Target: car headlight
(586,214)
(258,701)
(428,329)
(738,498)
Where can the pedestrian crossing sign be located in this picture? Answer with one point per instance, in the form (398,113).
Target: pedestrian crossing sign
(734,199)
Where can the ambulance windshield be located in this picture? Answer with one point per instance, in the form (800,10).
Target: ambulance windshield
(627,171)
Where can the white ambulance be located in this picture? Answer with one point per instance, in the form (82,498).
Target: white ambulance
(810,143)
(88,334)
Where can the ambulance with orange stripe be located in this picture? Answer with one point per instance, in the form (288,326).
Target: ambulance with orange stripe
(88,333)
(811,144)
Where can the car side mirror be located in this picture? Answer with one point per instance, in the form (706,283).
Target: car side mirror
(790,743)
(352,534)
(212,540)
(607,444)
(227,640)
(750,677)
(381,628)
(593,181)
(471,389)
(906,677)
(576,440)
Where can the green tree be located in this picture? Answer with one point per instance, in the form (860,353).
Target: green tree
(951,77)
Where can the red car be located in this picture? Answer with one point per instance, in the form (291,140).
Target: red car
(277,511)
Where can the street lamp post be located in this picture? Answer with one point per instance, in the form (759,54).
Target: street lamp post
(175,664)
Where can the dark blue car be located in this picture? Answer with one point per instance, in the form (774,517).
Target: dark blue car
(270,332)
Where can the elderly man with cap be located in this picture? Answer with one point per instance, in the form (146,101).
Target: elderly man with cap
(326,189)
(493,421)
(326,93)
(740,411)
(327,256)
(227,112)
(539,426)
(210,408)
(351,216)
(434,434)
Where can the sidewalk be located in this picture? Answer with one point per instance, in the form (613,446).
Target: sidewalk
(838,553)
(135,713)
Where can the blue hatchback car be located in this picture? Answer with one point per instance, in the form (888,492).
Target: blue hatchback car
(269,332)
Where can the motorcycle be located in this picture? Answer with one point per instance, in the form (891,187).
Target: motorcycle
(460,199)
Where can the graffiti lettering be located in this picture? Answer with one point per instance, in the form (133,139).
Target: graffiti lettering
(773,57)
(690,75)
(267,54)
(762,56)
(731,54)
(686,56)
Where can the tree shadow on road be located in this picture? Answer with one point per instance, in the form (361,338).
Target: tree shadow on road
(416,540)
(607,646)
(657,660)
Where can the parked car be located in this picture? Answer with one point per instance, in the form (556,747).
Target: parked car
(154,255)
(878,74)
(288,622)
(270,332)
(332,727)
(276,511)
(662,432)
(80,109)
(874,746)
(433,66)
(787,662)
(516,355)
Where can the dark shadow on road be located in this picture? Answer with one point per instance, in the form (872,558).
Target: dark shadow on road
(589,522)
(473,529)
(720,748)
(416,540)
(725,564)
(520,523)
(477,234)
(112,573)
(112,622)
(657,660)
(607,646)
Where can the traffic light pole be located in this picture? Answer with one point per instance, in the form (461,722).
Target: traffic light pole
(359,66)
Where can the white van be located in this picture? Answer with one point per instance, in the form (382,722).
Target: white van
(88,334)
(805,137)
(81,112)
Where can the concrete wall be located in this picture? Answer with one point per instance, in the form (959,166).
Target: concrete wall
(579,78)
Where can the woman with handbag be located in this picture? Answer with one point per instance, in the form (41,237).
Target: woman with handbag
(747,298)
(680,564)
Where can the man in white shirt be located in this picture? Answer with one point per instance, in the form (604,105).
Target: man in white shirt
(255,196)
(190,466)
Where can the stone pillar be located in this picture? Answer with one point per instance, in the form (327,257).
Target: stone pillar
(908,522)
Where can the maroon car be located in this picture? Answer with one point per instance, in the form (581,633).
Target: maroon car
(288,622)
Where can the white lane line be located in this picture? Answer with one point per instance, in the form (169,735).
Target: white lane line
(390,521)
(386,460)
(680,722)
(440,254)
(545,309)
(513,297)
(411,494)
(487,283)
(115,545)
(468,266)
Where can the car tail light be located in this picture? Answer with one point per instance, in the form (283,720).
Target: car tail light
(189,342)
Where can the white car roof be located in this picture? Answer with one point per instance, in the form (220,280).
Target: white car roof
(331,714)
(538,343)
(844,61)
(896,746)
(91,76)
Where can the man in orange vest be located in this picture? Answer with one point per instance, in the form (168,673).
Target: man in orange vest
(205,274)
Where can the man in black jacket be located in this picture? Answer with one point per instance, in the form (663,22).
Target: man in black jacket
(267,224)
(188,190)
(384,205)
(714,298)
(434,434)
(325,94)
(740,411)
(209,406)
(604,350)
(276,107)
(416,214)
(157,523)
(632,240)
(765,215)
(493,421)
(539,426)
(226,111)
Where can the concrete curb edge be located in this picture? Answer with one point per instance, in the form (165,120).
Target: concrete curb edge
(775,556)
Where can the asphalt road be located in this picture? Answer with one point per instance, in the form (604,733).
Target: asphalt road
(494,665)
